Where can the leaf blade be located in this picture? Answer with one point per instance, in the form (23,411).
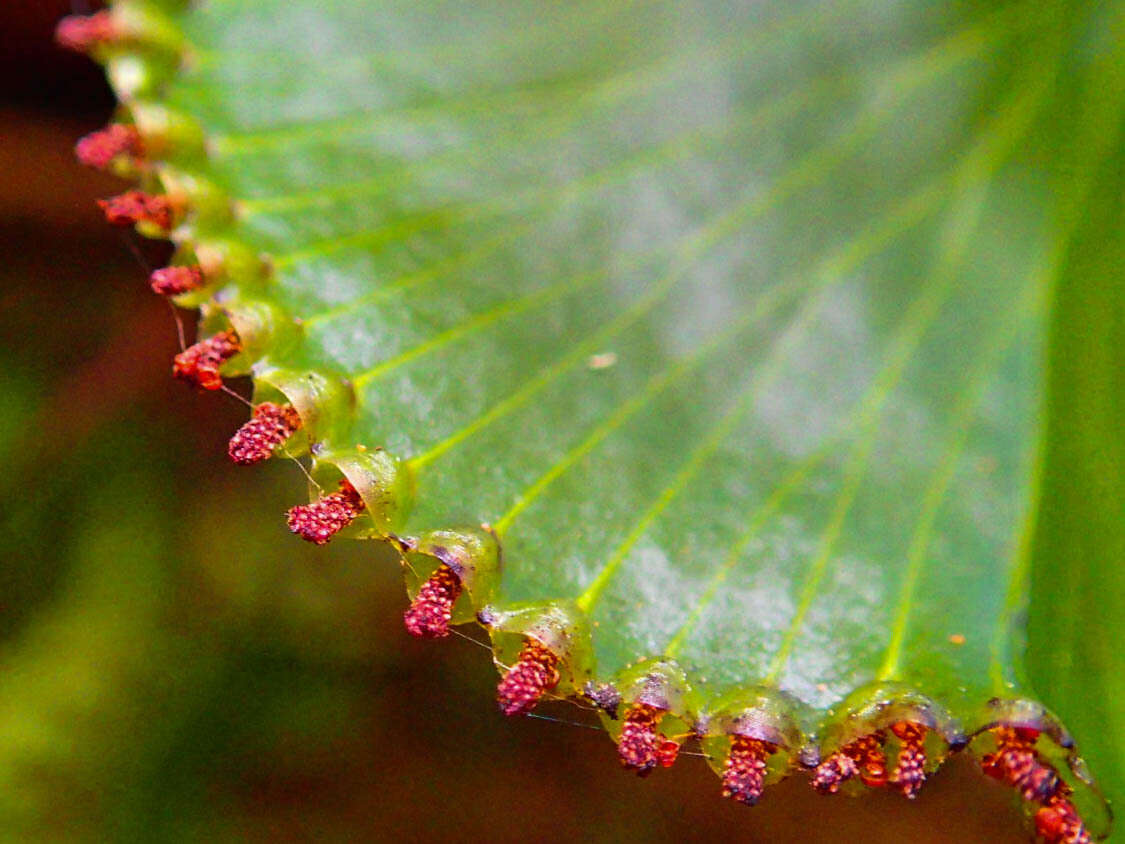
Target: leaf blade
(867,406)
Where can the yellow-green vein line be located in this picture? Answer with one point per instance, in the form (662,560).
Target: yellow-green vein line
(906,213)
(612,90)
(758,120)
(549,199)
(699,456)
(856,467)
(814,166)
(985,156)
(509,308)
(656,385)
(499,44)
(850,256)
(232,144)
(963,418)
(915,323)
(691,245)
(909,211)
(400,228)
(758,520)
(528,390)
(899,220)
(541,198)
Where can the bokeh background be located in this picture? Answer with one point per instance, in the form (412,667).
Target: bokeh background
(174,666)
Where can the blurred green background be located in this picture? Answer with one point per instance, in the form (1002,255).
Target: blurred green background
(174,666)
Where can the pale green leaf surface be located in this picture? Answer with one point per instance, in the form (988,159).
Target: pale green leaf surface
(817,243)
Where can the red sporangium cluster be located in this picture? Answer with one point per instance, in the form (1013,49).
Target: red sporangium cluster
(135,206)
(1017,764)
(535,673)
(640,747)
(84,32)
(432,609)
(271,426)
(173,281)
(866,759)
(328,515)
(863,757)
(910,767)
(100,148)
(744,773)
(1059,823)
(199,364)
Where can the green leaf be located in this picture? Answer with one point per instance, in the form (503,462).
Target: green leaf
(707,343)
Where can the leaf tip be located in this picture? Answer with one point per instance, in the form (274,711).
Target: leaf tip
(604,696)
(1018,764)
(1059,823)
(136,206)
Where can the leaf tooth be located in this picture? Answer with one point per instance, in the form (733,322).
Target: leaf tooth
(440,566)
(83,33)
(99,149)
(1016,762)
(136,206)
(535,673)
(432,609)
(199,364)
(910,767)
(744,772)
(319,521)
(174,281)
(256,440)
